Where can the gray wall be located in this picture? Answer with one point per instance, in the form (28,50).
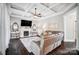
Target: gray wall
(78,27)
(0,28)
(56,23)
(4,28)
(7,26)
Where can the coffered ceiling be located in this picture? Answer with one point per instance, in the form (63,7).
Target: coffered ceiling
(25,10)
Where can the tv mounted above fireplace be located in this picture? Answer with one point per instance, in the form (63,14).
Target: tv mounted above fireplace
(26,23)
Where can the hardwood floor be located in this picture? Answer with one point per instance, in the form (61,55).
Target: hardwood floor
(66,48)
(17,48)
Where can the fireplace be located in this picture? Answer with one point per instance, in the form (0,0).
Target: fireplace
(26,33)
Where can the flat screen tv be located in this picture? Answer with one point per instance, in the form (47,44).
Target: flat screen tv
(26,23)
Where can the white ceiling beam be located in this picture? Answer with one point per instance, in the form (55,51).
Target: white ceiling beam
(54,5)
(54,14)
(30,7)
(72,6)
(19,12)
(16,11)
(27,9)
(21,17)
(22,8)
(59,13)
(17,7)
(49,8)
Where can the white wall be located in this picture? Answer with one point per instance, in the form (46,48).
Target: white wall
(7,25)
(0,30)
(4,28)
(55,23)
(15,19)
(78,27)
(69,26)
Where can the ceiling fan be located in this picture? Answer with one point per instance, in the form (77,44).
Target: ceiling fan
(35,14)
